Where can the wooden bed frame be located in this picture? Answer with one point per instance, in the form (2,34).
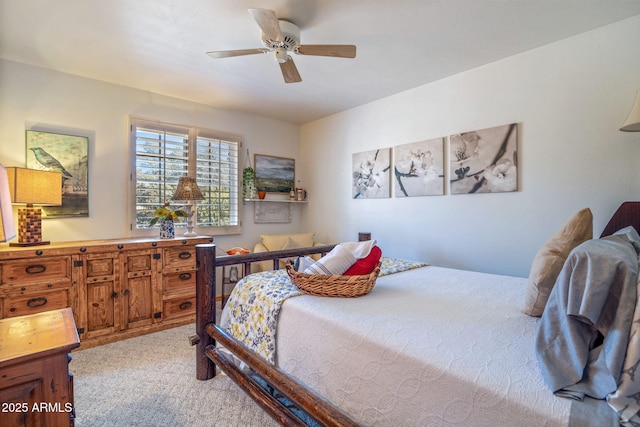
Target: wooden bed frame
(207,333)
(208,356)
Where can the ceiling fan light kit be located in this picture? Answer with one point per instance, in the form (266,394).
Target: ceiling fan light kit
(283,37)
(281,54)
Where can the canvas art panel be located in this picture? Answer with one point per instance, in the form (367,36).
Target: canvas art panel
(371,174)
(274,174)
(418,168)
(69,155)
(272,213)
(484,161)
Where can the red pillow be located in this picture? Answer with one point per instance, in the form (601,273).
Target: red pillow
(365,265)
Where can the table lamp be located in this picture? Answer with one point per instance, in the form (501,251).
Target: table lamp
(188,190)
(7,228)
(632,124)
(33,187)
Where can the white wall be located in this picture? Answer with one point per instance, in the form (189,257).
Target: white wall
(569,99)
(37,98)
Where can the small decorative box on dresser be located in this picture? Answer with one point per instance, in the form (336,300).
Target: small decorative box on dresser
(116,288)
(36,388)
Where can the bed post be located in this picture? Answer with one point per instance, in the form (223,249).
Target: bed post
(205,307)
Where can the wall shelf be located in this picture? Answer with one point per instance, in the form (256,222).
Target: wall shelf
(275,201)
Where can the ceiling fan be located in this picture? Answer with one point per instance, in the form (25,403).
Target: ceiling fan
(282,37)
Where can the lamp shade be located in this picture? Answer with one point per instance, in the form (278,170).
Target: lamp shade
(187,189)
(7,227)
(35,187)
(632,124)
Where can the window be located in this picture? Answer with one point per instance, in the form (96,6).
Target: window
(163,153)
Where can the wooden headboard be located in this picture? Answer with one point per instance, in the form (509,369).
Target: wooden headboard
(627,214)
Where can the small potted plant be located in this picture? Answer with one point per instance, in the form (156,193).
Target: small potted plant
(248,179)
(165,215)
(248,183)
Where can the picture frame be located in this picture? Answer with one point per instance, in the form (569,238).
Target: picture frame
(272,213)
(418,168)
(484,161)
(371,174)
(69,155)
(274,174)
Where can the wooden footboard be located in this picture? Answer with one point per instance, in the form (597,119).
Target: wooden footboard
(208,356)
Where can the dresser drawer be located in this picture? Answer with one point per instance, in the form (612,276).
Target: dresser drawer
(36,303)
(179,257)
(179,282)
(101,267)
(139,261)
(38,270)
(177,307)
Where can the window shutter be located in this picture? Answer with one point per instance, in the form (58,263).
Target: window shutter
(164,153)
(217,177)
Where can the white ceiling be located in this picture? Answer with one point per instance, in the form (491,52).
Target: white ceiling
(160,45)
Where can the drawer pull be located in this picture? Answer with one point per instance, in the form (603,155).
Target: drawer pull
(185,276)
(184,255)
(36,302)
(185,305)
(35,269)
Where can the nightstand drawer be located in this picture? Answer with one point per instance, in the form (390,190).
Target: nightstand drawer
(36,270)
(35,303)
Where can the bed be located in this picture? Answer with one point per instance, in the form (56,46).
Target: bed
(427,346)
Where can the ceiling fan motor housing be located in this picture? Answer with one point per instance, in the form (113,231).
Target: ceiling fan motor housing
(290,34)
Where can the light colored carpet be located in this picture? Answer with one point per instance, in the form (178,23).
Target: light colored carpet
(151,381)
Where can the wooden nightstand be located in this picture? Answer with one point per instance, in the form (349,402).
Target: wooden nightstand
(36,388)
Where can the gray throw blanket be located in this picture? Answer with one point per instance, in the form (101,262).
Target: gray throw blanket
(583,334)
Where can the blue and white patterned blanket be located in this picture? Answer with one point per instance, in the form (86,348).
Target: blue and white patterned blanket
(251,314)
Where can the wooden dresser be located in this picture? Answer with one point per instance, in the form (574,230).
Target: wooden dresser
(116,288)
(36,388)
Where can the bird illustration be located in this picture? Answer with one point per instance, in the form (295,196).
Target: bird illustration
(49,162)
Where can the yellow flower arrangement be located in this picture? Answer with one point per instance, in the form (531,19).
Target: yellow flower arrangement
(166,213)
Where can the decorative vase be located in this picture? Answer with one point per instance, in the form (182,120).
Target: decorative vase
(166,229)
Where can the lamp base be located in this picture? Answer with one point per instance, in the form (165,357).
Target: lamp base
(26,244)
(29,227)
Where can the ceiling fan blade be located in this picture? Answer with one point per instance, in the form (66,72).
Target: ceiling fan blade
(237,52)
(290,71)
(335,50)
(268,22)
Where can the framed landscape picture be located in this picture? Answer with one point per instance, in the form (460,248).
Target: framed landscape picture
(67,154)
(274,174)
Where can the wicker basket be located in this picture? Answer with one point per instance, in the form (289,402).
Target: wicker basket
(333,286)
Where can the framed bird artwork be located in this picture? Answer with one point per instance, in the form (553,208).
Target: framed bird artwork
(69,155)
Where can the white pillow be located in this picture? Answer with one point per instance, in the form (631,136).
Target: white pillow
(335,262)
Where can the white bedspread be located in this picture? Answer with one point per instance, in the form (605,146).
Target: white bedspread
(427,347)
